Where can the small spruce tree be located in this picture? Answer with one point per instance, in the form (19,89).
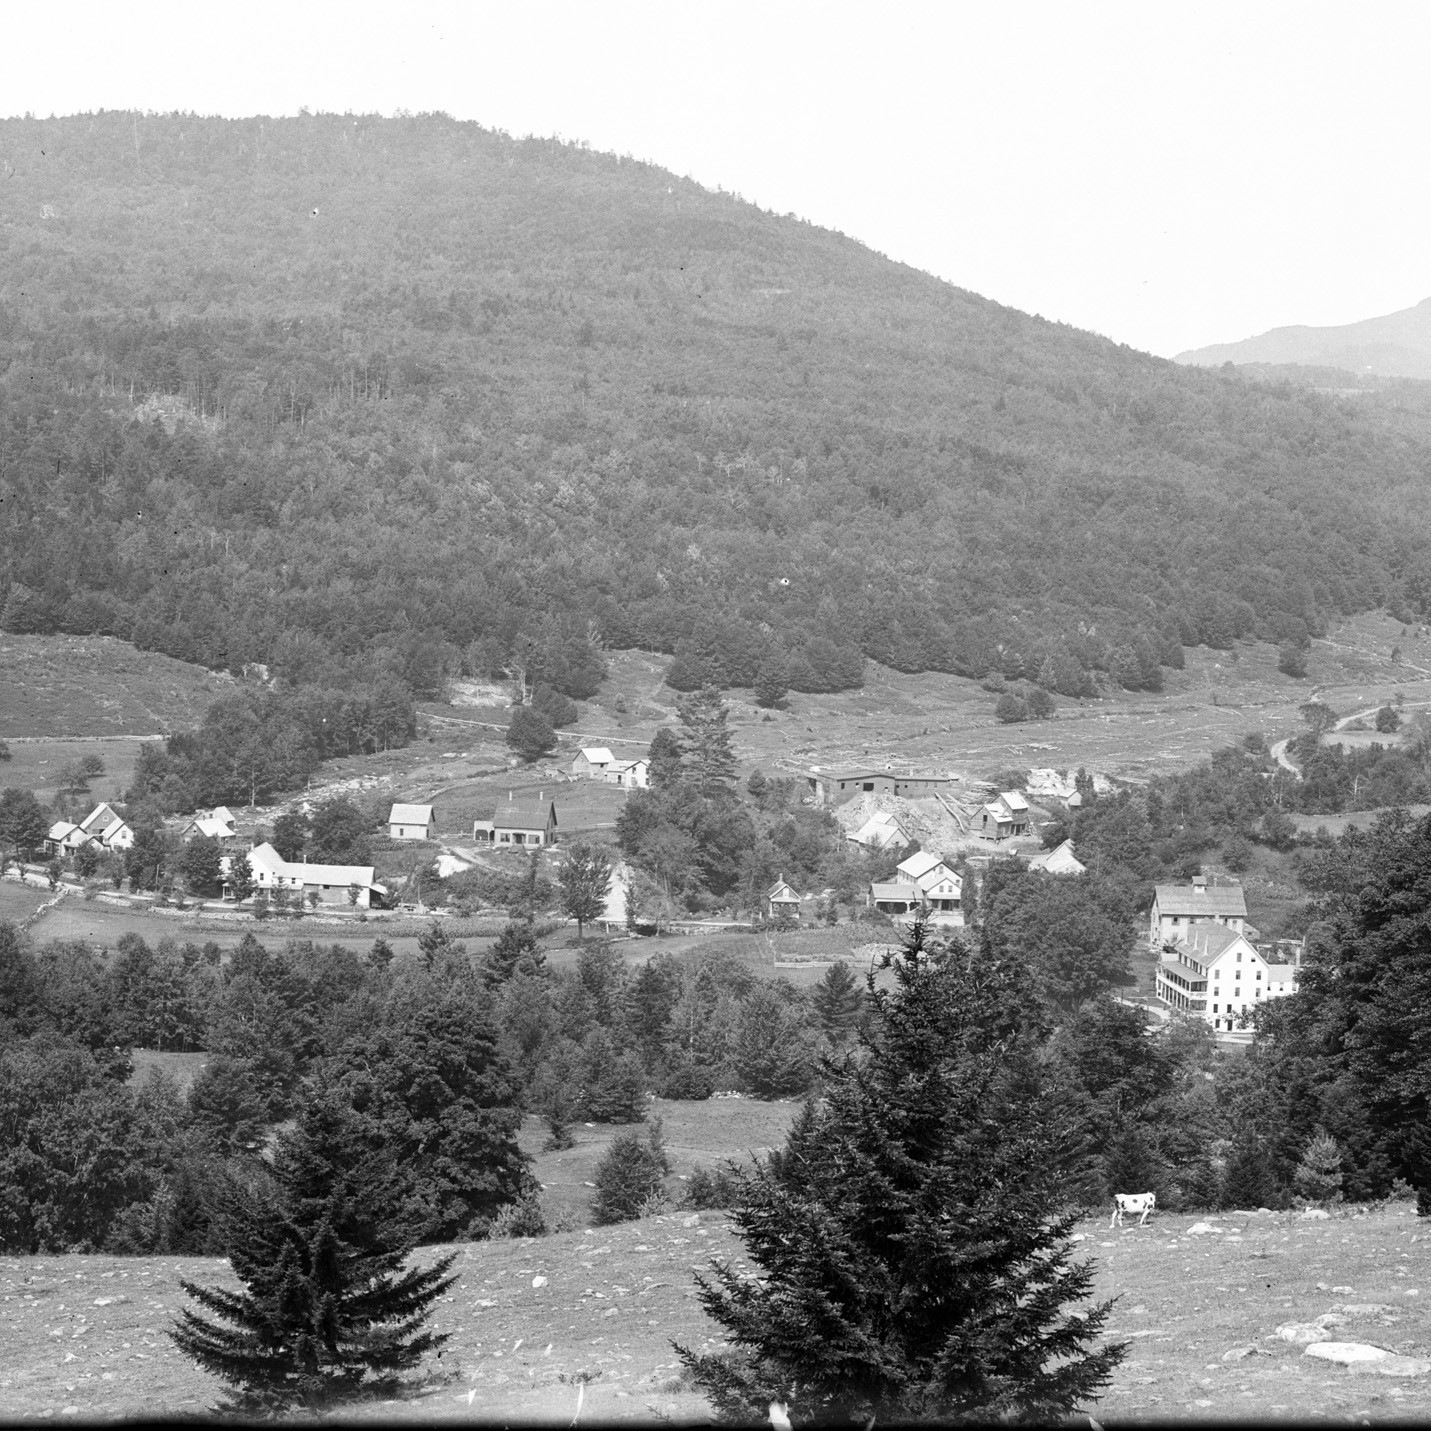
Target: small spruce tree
(837,1001)
(913,1235)
(633,1170)
(1318,1177)
(327,1308)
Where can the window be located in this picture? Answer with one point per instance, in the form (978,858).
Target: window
(1214,1008)
(1239,956)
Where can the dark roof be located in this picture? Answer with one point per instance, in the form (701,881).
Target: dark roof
(1215,899)
(518,816)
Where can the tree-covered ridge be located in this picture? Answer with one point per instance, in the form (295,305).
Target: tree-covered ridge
(443,396)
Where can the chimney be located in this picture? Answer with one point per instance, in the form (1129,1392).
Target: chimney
(509,797)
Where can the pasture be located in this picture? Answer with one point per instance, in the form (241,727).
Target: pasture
(85,1335)
(98,686)
(19,901)
(36,765)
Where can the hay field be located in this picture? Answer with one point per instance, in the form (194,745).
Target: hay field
(36,764)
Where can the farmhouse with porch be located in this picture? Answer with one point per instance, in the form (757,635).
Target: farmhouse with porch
(64,838)
(518,823)
(923,884)
(412,822)
(1216,972)
(1176,908)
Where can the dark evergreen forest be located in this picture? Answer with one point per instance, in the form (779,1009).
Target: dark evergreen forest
(358,397)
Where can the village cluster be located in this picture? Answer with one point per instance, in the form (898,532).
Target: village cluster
(1210,961)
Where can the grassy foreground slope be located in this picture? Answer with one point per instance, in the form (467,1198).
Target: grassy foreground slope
(88,1332)
(333,391)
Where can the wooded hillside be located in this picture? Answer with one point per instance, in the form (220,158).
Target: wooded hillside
(352,395)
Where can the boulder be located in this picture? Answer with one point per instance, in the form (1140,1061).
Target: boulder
(1316,1213)
(1301,1333)
(1237,1353)
(1198,1229)
(1330,1319)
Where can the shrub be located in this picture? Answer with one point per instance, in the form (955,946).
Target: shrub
(710,1188)
(1318,1177)
(1011,709)
(526,1218)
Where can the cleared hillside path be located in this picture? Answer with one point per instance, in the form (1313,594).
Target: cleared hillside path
(1279,750)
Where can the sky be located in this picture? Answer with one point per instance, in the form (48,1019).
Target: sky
(1170,174)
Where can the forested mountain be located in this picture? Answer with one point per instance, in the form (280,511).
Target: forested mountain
(353,396)
(1396,344)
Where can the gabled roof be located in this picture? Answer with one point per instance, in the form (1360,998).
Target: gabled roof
(222,812)
(1215,899)
(99,814)
(1013,800)
(213,828)
(1210,941)
(918,864)
(410,815)
(628,764)
(60,829)
(1058,860)
(597,754)
(781,890)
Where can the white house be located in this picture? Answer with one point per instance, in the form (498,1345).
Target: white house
(629,774)
(1215,972)
(941,889)
(881,832)
(104,824)
(1003,817)
(333,884)
(1176,908)
(591,762)
(412,822)
(217,825)
(1060,861)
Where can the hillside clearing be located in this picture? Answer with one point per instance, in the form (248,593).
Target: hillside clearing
(88,1332)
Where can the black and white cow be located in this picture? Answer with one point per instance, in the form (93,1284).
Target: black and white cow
(1132,1202)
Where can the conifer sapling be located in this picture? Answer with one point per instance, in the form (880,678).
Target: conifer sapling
(912,1238)
(328,1308)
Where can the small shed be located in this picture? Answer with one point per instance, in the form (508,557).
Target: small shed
(881,831)
(412,822)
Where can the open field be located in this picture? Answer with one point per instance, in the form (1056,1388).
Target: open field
(1358,820)
(36,764)
(88,1332)
(95,685)
(19,901)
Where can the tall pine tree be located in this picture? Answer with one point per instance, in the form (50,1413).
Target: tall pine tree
(708,756)
(913,1235)
(327,1308)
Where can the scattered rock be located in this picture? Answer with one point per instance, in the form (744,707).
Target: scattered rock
(1347,1352)
(1198,1229)
(1344,1291)
(1330,1319)
(692,1221)
(1361,1309)
(1316,1213)
(1237,1353)
(1301,1333)
(539,1281)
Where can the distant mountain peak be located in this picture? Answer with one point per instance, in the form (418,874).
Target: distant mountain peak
(1393,345)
